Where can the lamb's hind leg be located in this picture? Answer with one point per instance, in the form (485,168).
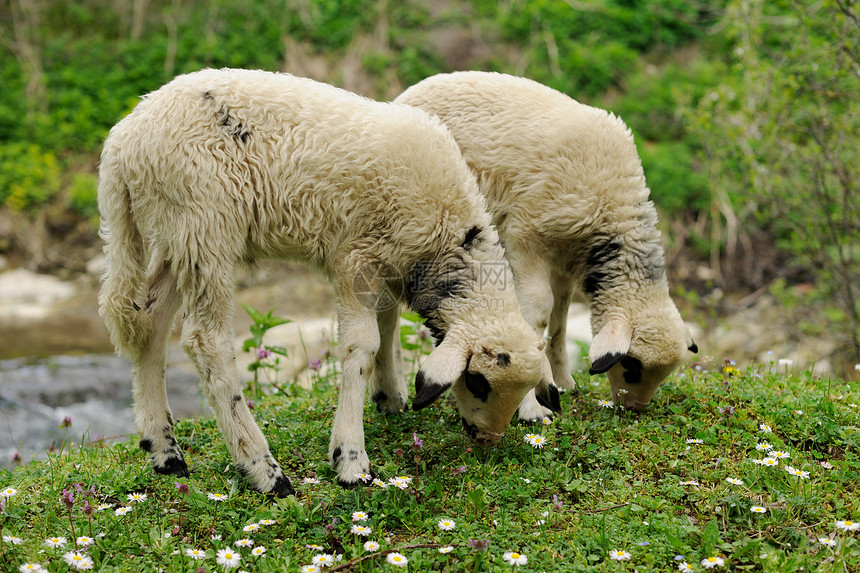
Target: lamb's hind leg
(207,337)
(152,413)
(387,385)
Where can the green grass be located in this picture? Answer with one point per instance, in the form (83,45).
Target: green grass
(606,480)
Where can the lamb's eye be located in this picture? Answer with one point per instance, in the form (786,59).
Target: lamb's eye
(478,385)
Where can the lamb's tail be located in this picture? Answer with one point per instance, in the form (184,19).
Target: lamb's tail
(124,276)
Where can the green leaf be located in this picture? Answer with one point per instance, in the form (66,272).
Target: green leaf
(710,538)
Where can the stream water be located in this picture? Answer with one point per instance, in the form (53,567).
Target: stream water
(56,360)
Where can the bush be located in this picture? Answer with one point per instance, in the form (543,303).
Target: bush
(29,176)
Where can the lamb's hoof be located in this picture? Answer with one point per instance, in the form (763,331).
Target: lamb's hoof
(366,480)
(386,405)
(533,421)
(283,487)
(172,467)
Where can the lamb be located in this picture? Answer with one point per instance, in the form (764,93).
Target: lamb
(224,167)
(567,193)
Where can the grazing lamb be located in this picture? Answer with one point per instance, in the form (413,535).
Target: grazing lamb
(566,190)
(223,167)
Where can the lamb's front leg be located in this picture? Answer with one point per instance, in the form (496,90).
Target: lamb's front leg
(358,343)
(534,294)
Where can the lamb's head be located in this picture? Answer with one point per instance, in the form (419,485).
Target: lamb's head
(490,368)
(638,349)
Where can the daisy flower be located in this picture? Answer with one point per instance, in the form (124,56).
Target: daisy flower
(78,560)
(764,446)
(314,547)
(361,530)
(251,527)
(371,546)
(446,524)
(363,477)
(85,541)
(31,567)
(546,421)
(446,549)
(132,497)
(310,569)
(380,483)
(828,541)
(796,472)
(766,429)
(711,562)
(267,522)
(8,492)
(515,559)
(104,506)
(217,496)
(758,509)
(55,541)
(323,560)
(848,525)
(689,482)
(310,481)
(122,510)
(695,441)
(397,559)
(780,455)
(685,567)
(12,539)
(359,516)
(538,441)
(258,550)
(619,555)
(769,462)
(244,543)
(735,481)
(606,403)
(227,558)
(195,554)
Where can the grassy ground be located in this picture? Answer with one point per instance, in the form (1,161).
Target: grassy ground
(609,490)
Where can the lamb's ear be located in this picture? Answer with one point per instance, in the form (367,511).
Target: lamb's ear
(691,344)
(610,345)
(546,391)
(440,370)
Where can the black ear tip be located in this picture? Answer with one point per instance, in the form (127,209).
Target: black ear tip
(603,363)
(551,400)
(693,348)
(426,391)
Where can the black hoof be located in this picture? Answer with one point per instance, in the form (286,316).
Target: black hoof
(282,487)
(173,467)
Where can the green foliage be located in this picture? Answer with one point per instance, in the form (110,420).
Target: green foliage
(29,176)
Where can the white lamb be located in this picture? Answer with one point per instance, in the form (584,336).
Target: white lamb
(222,167)
(565,186)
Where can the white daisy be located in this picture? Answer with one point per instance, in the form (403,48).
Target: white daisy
(397,559)
(711,562)
(515,559)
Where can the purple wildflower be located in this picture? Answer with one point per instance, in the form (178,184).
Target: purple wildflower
(263,353)
(68,498)
(416,443)
(181,487)
(479,544)
(315,364)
